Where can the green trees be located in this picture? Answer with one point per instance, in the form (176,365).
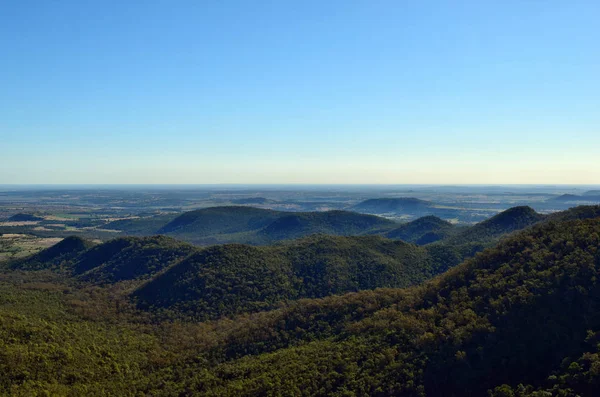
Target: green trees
(231,279)
(519,319)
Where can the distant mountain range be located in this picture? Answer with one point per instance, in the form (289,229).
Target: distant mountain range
(591,196)
(251,225)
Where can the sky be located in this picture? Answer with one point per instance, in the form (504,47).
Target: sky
(390,92)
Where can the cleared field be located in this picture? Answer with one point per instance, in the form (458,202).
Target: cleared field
(14,245)
(22,223)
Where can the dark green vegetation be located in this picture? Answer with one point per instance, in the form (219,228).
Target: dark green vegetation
(425,230)
(248,225)
(234,278)
(521,318)
(257,226)
(120,259)
(25,218)
(513,219)
(140,226)
(581,212)
(392,205)
(230,279)
(55,257)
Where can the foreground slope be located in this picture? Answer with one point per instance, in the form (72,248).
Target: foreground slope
(513,315)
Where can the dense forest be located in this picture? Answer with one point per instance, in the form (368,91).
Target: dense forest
(241,224)
(156,316)
(255,226)
(164,273)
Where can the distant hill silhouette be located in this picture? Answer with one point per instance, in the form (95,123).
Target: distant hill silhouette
(21,217)
(574,198)
(392,205)
(259,226)
(220,220)
(252,200)
(566,197)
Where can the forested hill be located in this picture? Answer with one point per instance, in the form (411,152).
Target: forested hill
(230,279)
(21,217)
(120,259)
(58,256)
(520,319)
(508,221)
(248,225)
(258,226)
(425,230)
(235,278)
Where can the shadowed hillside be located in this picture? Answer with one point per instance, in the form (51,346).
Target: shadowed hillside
(425,230)
(229,279)
(140,226)
(525,312)
(25,218)
(258,226)
(130,258)
(58,256)
(123,258)
(519,319)
(508,221)
(340,223)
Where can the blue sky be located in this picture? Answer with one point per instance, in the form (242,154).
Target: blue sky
(299,91)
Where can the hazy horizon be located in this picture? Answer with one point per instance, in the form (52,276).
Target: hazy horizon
(308,93)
